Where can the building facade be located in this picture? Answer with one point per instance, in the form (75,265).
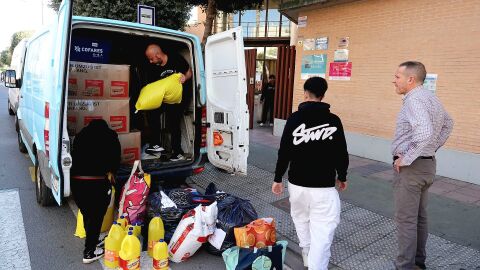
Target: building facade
(357,46)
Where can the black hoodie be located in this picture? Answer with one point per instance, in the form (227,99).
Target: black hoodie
(96,150)
(313,143)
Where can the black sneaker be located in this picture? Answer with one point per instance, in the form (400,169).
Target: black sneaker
(177,157)
(156,149)
(93,255)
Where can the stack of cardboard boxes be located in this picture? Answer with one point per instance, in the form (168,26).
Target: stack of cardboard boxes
(101,91)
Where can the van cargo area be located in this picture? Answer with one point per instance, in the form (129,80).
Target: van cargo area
(107,70)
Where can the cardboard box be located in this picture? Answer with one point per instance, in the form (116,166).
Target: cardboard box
(98,81)
(82,111)
(131,145)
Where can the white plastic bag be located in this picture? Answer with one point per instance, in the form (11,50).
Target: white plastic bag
(192,231)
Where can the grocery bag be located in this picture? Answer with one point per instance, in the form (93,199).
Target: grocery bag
(167,90)
(259,233)
(267,258)
(107,219)
(232,212)
(134,195)
(192,231)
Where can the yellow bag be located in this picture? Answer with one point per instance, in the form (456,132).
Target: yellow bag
(107,219)
(167,90)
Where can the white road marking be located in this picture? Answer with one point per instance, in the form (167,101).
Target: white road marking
(13,241)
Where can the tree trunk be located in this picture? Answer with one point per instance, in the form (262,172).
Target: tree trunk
(211,13)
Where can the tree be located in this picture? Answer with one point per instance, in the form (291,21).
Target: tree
(211,8)
(5,58)
(168,13)
(17,37)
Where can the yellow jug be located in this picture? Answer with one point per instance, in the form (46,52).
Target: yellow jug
(160,255)
(113,243)
(156,231)
(123,221)
(130,253)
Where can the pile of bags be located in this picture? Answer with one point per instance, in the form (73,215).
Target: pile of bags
(185,219)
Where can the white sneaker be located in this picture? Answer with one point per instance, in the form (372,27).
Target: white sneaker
(177,157)
(154,149)
(271,124)
(261,124)
(305,256)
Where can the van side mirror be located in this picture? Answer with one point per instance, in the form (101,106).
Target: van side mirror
(10,78)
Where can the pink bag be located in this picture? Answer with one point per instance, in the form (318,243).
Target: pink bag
(134,194)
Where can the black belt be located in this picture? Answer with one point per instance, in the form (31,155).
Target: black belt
(420,157)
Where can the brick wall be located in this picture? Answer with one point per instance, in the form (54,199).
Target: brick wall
(444,35)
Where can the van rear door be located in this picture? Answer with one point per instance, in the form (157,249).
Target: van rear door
(56,99)
(227,111)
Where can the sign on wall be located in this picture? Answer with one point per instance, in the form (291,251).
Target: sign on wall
(314,65)
(146,14)
(309,44)
(430,82)
(302,21)
(340,71)
(321,43)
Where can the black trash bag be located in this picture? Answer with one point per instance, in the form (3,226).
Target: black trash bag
(212,190)
(154,205)
(232,212)
(171,216)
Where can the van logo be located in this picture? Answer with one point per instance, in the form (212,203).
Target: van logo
(301,134)
(94,44)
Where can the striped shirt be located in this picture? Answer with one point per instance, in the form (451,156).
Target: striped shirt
(423,126)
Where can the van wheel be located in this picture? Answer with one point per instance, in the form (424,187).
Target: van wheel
(42,192)
(10,111)
(21,146)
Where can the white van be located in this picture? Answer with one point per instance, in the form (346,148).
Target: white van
(218,107)
(16,64)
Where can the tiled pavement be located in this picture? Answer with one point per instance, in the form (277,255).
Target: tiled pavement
(444,186)
(364,239)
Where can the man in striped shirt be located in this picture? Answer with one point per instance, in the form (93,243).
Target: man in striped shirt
(423,126)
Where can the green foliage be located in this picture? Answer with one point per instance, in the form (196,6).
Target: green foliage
(5,58)
(230,6)
(17,37)
(171,14)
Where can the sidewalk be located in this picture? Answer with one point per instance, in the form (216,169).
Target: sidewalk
(365,238)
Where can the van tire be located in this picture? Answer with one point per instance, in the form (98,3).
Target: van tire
(42,192)
(10,110)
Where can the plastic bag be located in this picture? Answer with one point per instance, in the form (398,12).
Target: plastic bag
(167,90)
(268,258)
(107,219)
(134,195)
(232,212)
(259,233)
(192,231)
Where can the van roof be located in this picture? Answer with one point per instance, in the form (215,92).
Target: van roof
(136,26)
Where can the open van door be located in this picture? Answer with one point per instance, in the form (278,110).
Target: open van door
(227,111)
(54,108)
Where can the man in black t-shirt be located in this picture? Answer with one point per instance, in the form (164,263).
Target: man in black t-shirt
(268,96)
(164,66)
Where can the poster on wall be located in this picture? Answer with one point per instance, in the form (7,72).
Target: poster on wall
(314,65)
(321,43)
(302,21)
(430,82)
(340,71)
(340,55)
(309,44)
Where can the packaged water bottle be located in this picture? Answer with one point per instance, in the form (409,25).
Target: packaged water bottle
(156,232)
(160,255)
(130,253)
(113,243)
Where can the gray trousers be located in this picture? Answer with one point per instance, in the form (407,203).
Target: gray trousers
(410,189)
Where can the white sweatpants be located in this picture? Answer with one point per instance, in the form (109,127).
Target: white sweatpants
(316,214)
